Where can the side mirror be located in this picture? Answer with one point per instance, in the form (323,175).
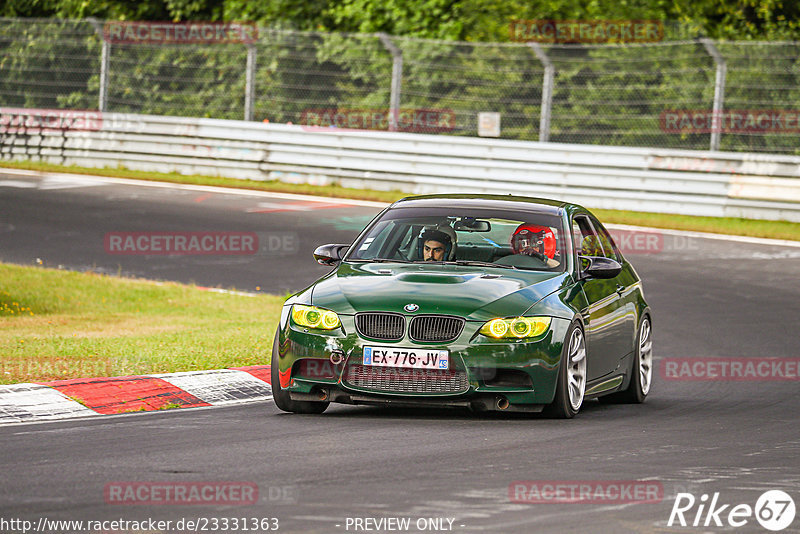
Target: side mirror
(329,254)
(600,267)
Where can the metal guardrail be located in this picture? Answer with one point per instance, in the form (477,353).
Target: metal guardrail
(687,182)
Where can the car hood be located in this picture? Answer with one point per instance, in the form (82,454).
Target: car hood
(474,293)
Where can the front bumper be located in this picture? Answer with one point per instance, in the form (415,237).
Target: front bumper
(485,374)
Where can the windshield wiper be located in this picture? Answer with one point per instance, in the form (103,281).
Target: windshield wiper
(379,260)
(481,264)
(420,262)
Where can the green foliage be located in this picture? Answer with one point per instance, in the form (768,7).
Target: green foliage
(283,14)
(422,18)
(468,20)
(49,64)
(302,72)
(195,80)
(602,95)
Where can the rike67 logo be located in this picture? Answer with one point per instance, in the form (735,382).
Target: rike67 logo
(774,510)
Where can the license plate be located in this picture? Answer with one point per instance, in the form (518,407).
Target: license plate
(410,358)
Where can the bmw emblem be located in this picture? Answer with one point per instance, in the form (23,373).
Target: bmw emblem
(411,307)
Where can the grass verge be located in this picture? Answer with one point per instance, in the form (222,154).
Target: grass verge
(61,324)
(717,225)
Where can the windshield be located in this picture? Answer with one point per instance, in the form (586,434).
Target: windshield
(488,237)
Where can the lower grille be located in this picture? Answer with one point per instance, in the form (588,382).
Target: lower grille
(398,380)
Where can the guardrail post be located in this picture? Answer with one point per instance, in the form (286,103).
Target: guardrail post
(250,82)
(547,92)
(397,80)
(719,91)
(105,58)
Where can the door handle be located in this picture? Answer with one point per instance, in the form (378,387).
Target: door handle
(620,289)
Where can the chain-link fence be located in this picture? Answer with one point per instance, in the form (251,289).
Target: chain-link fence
(693,94)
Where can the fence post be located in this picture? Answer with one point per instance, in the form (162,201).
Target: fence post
(547,92)
(105,59)
(250,82)
(719,91)
(397,80)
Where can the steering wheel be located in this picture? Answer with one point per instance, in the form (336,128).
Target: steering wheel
(539,256)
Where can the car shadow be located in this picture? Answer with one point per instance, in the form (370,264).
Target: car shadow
(590,408)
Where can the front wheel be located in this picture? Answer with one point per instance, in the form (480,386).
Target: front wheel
(281,397)
(571,385)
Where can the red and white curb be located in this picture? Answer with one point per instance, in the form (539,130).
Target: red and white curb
(82,397)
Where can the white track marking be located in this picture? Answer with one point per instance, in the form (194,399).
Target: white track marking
(18,183)
(225,386)
(67,181)
(100,180)
(27,402)
(704,235)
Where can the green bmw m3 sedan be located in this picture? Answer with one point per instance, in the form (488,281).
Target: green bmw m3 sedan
(494,303)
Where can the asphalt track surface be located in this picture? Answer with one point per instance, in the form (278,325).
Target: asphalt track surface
(710,298)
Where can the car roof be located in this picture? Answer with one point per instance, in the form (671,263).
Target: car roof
(509,202)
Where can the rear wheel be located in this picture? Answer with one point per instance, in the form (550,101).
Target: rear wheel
(281,396)
(571,385)
(641,370)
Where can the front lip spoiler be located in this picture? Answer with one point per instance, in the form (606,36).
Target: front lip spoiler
(480,403)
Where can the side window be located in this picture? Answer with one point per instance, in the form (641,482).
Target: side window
(586,241)
(591,239)
(610,248)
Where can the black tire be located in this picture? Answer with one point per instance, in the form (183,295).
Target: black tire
(281,397)
(639,386)
(565,406)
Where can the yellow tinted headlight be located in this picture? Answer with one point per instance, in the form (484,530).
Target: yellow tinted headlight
(314,317)
(495,328)
(521,328)
(516,327)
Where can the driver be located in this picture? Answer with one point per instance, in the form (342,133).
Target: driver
(536,241)
(437,245)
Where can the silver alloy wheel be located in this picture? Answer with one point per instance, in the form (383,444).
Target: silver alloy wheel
(645,356)
(576,369)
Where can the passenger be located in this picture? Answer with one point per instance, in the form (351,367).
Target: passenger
(536,241)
